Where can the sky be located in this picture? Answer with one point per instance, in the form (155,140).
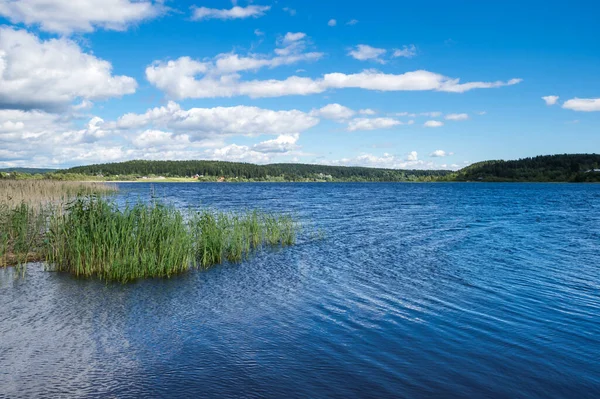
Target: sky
(407,85)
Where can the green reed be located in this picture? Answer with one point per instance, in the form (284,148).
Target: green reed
(94,238)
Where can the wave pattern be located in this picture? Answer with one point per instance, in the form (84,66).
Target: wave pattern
(417,290)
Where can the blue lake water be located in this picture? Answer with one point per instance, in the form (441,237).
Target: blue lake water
(416,290)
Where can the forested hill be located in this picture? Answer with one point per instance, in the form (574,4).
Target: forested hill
(247,171)
(545,168)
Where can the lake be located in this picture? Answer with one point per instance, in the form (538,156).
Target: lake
(415,290)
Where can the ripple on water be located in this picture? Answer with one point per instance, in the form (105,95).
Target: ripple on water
(418,290)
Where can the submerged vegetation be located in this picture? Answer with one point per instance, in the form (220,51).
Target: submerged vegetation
(76,230)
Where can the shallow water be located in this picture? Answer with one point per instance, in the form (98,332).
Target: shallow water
(417,290)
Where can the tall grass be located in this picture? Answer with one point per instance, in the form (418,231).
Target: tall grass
(25,209)
(90,236)
(94,238)
(37,192)
(234,236)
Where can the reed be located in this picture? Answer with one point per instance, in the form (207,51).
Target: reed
(25,208)
(94,238)
(37,192)
(89,236)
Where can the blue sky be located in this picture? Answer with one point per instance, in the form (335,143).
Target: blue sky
(432,84)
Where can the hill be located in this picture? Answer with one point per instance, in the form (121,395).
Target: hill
(252,172)
(544,168)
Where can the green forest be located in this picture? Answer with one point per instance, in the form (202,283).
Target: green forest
(546,168)
(251,172)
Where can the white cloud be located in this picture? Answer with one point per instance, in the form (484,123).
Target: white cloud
(237,12)
(38,138)
(293,37)
(406,51)
(455,87)
(457,117)
(334,111)
(388,161)
(550,100)
(282,144)
(372,123)
(433,124)
(440,154)
(367,111)
(236,153)
(188,78)
(583,104)
(332,22)
(67,16)
(221,121)
(364,52)
(259,32)
(52,74)
(352,22)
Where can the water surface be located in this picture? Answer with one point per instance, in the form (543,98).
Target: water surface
(417,290)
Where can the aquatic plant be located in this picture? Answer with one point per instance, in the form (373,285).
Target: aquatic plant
(38,192)
(25,209)
(94,238)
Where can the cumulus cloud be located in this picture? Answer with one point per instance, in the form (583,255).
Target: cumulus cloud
(367,111)
(51,74)
(440,154)
(433,124)
(457,117)
(412,156)
(67,16)
(39,138)
(372,123)
(282,144)
(221,121)
(334,111)
(583,104)
(237,12)
(332,22)
(352,22)
(364,52)
(550,100)
(406,51)
(387,160)
(180,79)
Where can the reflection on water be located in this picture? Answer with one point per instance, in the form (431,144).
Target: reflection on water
(417,290)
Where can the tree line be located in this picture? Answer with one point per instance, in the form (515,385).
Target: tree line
(544,168)
(247,171)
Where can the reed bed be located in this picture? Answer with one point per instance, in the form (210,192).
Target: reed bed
(92,237)
(26,207)
(37,192)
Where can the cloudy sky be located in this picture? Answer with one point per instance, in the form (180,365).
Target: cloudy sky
(429,84)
